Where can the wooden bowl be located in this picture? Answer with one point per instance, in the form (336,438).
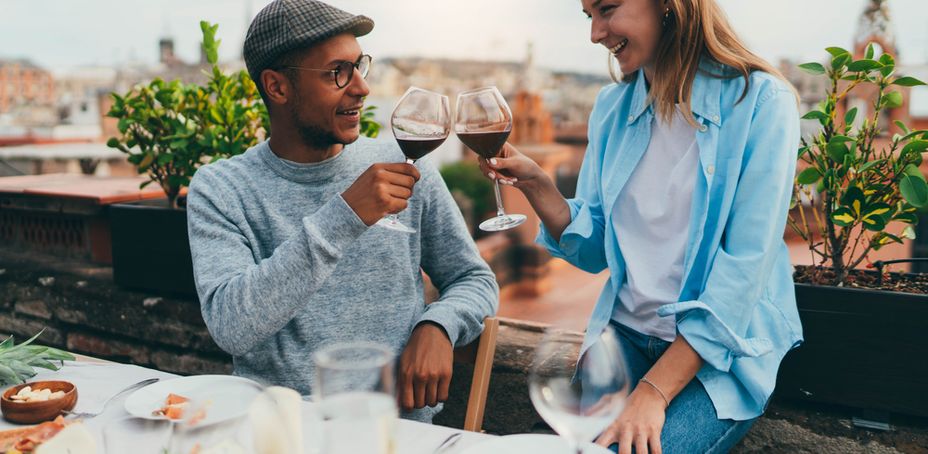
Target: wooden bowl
(36,412)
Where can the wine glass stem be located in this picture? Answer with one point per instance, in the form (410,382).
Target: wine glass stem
(395,217)
(499,199)
(575,447)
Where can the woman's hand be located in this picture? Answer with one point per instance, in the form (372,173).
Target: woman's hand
(513,168)
(639,425)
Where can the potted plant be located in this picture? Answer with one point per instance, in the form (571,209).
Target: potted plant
(169,130)
(857,190)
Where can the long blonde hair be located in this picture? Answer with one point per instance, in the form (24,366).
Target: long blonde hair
(693,29)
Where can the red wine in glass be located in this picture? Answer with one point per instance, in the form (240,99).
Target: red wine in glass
(415,148)
(420,122)
(483,123)
(486,144)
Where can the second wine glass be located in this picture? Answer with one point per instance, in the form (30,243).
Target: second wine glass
(483,123)
(578,399)
(421,121)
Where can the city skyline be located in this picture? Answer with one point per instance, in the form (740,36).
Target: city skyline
(114,33)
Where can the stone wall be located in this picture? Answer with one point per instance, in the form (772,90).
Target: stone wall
(82,311)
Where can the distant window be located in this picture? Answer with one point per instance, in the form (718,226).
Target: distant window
(863,110)
(918,102)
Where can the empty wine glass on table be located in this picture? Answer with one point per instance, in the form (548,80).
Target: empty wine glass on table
(578,403)
(355,387)
(421,121)
(483,122)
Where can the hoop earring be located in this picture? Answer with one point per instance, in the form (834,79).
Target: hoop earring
(616,75)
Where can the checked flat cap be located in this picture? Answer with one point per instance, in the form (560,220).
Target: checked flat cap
(286,25)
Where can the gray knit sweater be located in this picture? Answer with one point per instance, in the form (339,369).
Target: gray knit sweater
(284,266)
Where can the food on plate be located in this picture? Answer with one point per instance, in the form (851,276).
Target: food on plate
(28,394)
(173,407)
(51,437)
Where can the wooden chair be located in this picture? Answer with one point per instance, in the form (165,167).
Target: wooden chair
(480,353)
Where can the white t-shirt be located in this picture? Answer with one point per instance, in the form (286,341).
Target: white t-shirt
(651,219)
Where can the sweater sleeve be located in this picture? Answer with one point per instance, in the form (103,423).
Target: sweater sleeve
(467,287)
(245,299)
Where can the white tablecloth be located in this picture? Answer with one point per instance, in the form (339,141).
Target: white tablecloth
(97,381)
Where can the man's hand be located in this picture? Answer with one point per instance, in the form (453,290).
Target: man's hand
(381,190)
(425,368)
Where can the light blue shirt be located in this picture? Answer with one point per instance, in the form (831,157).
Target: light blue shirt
(737,305)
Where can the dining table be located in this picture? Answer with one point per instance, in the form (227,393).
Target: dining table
(97,381)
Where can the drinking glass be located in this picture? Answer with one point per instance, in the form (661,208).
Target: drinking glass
(356,390)
(136,435)
(578,402)
(421,121)
(483,122)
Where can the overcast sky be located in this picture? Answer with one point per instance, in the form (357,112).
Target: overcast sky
(61,34)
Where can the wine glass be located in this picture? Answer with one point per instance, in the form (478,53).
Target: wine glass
(483,123)
(421,121)
(578,403)
(355,386)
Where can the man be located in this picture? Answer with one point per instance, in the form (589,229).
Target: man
(284,252)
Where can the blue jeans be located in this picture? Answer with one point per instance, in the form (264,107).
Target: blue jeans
(691,424)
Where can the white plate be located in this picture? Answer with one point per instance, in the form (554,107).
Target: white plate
(530,443)
(227,396)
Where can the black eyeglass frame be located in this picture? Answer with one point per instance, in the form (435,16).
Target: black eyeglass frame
(344,67)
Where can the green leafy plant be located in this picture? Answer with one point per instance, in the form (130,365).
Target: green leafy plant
(860,179)
(17,362)
(170,129)
(369,126)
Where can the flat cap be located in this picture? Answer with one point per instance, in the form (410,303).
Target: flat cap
(286,25)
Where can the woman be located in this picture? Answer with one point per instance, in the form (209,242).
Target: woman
(683,195)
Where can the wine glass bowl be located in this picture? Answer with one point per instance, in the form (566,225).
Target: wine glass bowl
(578,402)
(420,122)
(483,122)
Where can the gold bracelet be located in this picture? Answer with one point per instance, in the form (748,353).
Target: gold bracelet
(663,396)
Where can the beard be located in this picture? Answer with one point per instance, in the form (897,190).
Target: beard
(312,135)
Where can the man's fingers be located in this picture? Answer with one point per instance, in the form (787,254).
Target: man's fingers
(403,169)
(401,192)
(431,393)
(444,384)
(399,179)
(407,397)
(419,388)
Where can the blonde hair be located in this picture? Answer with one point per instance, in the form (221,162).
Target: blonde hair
(693,29)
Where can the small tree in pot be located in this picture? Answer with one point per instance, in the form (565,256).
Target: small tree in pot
(170,129)
(861,181)
(864,335)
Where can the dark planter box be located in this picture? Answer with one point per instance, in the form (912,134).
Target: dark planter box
(863,348)
(151,250)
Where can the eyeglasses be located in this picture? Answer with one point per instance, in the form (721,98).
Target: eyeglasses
(345,70)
